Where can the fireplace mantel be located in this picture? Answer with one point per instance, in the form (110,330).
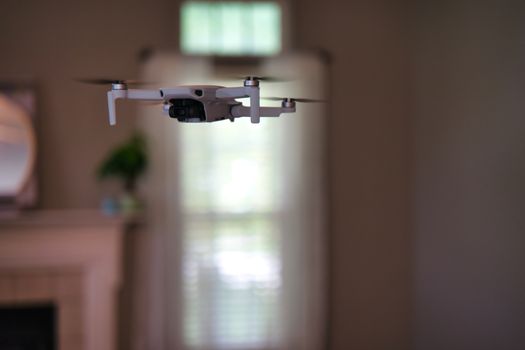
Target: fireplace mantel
(42,254)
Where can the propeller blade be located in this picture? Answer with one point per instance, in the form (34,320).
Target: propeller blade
(269,79)
(308,100)
(97,81)
(299,99)
(273,98)
(107,81)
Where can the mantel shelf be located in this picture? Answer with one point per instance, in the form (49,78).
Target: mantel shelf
(60,218)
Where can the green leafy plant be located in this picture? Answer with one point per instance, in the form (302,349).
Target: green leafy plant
(126,162)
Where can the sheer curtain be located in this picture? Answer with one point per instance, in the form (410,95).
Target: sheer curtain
(236,212)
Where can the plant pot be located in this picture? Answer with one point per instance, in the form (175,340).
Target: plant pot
(130,204)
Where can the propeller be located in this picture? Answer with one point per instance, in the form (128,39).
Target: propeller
(262,78)
(293,99)
(107,81)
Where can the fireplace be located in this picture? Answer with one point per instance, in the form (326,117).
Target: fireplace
(63,265)
(27,327)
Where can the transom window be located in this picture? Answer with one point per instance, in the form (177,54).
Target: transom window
(229,28)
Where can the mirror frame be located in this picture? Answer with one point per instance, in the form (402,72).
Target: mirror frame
(23,95)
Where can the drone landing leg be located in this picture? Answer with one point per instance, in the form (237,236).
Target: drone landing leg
(113,95)
(239,92)
(254,107)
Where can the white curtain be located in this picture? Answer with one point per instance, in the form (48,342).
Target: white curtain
(236,217)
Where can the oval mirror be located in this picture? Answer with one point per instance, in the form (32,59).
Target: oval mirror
(17,149)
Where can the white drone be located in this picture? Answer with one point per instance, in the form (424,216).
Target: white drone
(201,103)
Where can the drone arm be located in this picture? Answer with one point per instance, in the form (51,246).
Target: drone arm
(135,94)
(242,111)
(232,92)
(132,94)
(247,91)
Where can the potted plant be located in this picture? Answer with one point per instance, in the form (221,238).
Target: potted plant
(127,162)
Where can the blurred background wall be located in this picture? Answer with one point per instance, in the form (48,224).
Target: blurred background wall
(368,163)
(469,169)
(424,149)
(50,44)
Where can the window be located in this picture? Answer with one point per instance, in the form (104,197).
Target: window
(238,206)
(231,240)
(239,211)
(230,28)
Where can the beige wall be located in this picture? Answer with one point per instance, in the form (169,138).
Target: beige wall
(368,164)
(51,42)
(470,172)
(437,100)
(368,131)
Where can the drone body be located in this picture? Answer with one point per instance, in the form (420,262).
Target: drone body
(202,103)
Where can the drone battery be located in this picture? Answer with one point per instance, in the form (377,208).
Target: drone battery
(187,110)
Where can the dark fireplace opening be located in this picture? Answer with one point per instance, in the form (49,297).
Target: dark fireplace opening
(28,327)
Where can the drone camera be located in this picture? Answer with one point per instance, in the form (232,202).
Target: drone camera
(187,110)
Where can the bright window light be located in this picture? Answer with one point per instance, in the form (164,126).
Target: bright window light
(227,28)
(231,236)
